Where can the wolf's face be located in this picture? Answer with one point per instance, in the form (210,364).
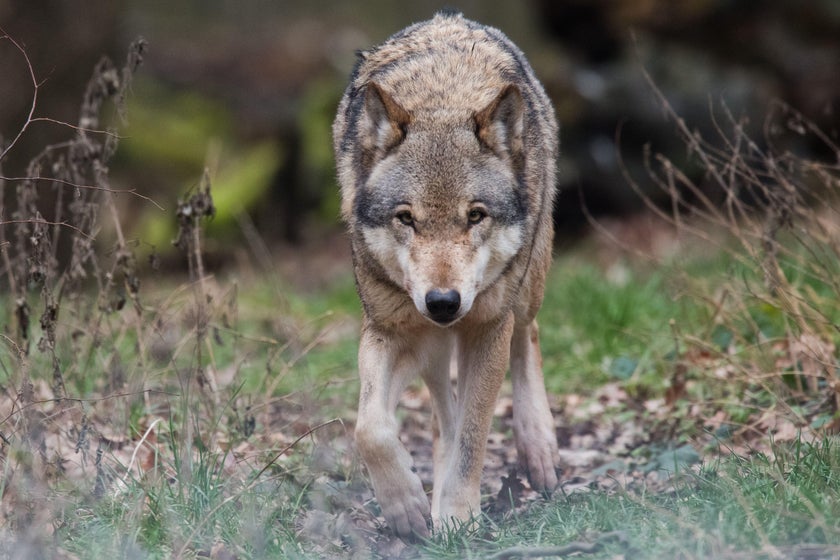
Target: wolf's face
(441,209)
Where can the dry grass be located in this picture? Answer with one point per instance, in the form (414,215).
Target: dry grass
(124,417)
(763,360)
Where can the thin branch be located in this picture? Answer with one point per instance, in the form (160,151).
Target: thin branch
(80,400)
(294,443)
(48,223)
(35,86)
(78,128)
(565,550)
(90,187)
(137,448)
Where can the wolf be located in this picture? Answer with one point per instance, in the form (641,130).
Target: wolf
(446,146)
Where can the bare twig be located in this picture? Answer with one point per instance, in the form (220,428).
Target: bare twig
(137,448)
(294,443)
(49,223)
(65,182)
(35,86)
(77,128)
(576,547)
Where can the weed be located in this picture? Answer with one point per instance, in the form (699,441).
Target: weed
(39,273)
(113,424)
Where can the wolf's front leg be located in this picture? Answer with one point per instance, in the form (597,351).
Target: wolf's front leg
(386,366)
(482,361)
(533,425)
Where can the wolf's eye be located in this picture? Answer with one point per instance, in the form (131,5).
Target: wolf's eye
(476,215)
(405,218)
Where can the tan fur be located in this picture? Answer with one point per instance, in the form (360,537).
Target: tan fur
(445,147)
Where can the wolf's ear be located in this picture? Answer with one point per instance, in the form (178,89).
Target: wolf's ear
(499,126)
(384,123)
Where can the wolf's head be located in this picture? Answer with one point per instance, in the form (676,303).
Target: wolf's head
(442,207)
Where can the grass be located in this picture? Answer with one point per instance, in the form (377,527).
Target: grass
(761,506)
(756,504)
(150,416)
(590,325)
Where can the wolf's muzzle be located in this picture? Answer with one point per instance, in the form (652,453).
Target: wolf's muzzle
(443,306)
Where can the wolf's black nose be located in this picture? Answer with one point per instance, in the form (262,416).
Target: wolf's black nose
(443,306)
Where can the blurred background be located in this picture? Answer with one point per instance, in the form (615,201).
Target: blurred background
(249,90)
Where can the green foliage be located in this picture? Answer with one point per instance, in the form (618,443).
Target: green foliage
(592,328)
(240,184)
(173,129)
(181,133)
(315,123)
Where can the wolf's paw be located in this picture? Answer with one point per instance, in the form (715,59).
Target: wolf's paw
(406,509)
(537,449)
(542,474)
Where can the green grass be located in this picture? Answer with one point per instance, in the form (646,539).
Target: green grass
(159,519)
(735,507)
(588,323)
(593,330)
